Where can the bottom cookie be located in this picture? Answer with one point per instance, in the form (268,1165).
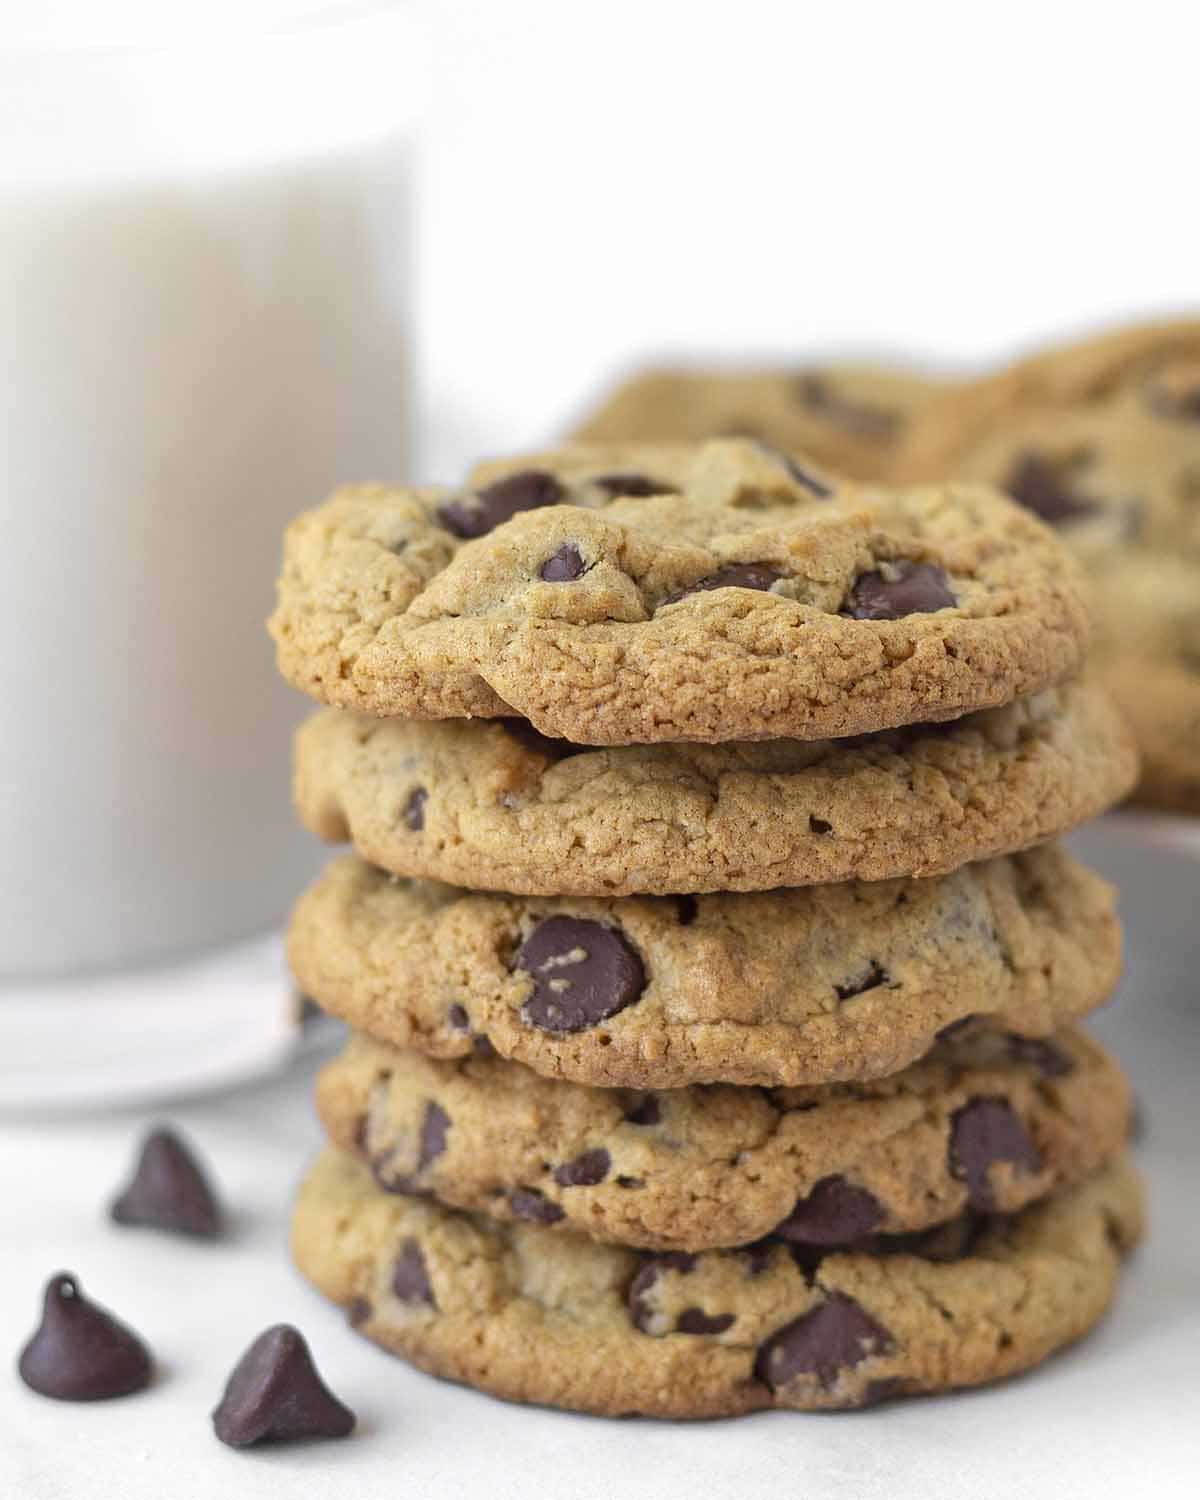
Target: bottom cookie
(540,1316)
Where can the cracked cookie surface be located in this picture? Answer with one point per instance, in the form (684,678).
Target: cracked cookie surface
(989,1122)
(538,1316)
(802,986)
(490,807)
(632,594)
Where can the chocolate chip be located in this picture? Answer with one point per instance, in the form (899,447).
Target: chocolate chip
(414,809)
(583,973)
(794,470)
(168,1190)
(632,486)
(835,1212)
(410,1278)
(819,826)
(1049,1060)
(866,419)
(983,1132)
(79,1351)
(686,908)
(586,1170)
(733,576)
(533,739)
(830,1338)
(563,566)
(358,1312)
(458,1018)
(631,1182)
(531,489)
(528,1203)
(870,979)
(434,1124)
(696,1320)
(758,1257)
(1044,487)
(956,1028)
(482,1046)
(276,1396)
(902,588)
(645,1112)
(640,1312)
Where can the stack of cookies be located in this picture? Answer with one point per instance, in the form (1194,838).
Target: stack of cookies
(713,974)
(1100,438)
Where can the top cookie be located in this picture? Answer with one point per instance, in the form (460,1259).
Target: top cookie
(853,417)
(644,594)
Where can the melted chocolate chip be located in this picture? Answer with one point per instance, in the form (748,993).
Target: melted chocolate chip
(835,1212)
(864,418)
(79,1351)
(410,1278)
(583,973)
(276,1396)
(528,1203)
(586,1170)
(870,979)
(435,1123)
(830,1338)
(632,486)
(906,588)
(640,1311)
(168,1190)
(696,1320)
(645,1112)
(983,1132)
(458,1018)
(476,515)
(1049,1060)
(733,576)
(1044,487)
(414,809)
(563,566)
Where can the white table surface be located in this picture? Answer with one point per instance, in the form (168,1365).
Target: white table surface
(1117,1417)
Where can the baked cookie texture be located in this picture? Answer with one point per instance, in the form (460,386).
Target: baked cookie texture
(533,1315)
(781,988)
(642,594)
(490,807)
(853,417)
(988,1122)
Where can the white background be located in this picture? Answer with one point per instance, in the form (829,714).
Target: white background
(607,181)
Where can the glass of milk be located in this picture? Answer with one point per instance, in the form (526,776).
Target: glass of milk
(203,284)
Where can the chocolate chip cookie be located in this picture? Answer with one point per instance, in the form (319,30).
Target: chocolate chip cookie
(529,1314)
(632,594)
(989,1122)
(789,987)
(852,417)
(491,807)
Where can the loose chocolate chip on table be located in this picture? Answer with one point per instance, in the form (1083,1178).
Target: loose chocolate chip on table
(79,1351)
(586,1170)
(563,566)
(905,588)
(983,1132)
(870,979)
(414,809)
(833,1337)
(835,1212)
(733,576)
(1049,1060)
(583,973)
(631,486)
(696,1320)
(168,1190)
(531,489)
(1044,487)
(275,1395)
(410,1278)
(528,1203)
